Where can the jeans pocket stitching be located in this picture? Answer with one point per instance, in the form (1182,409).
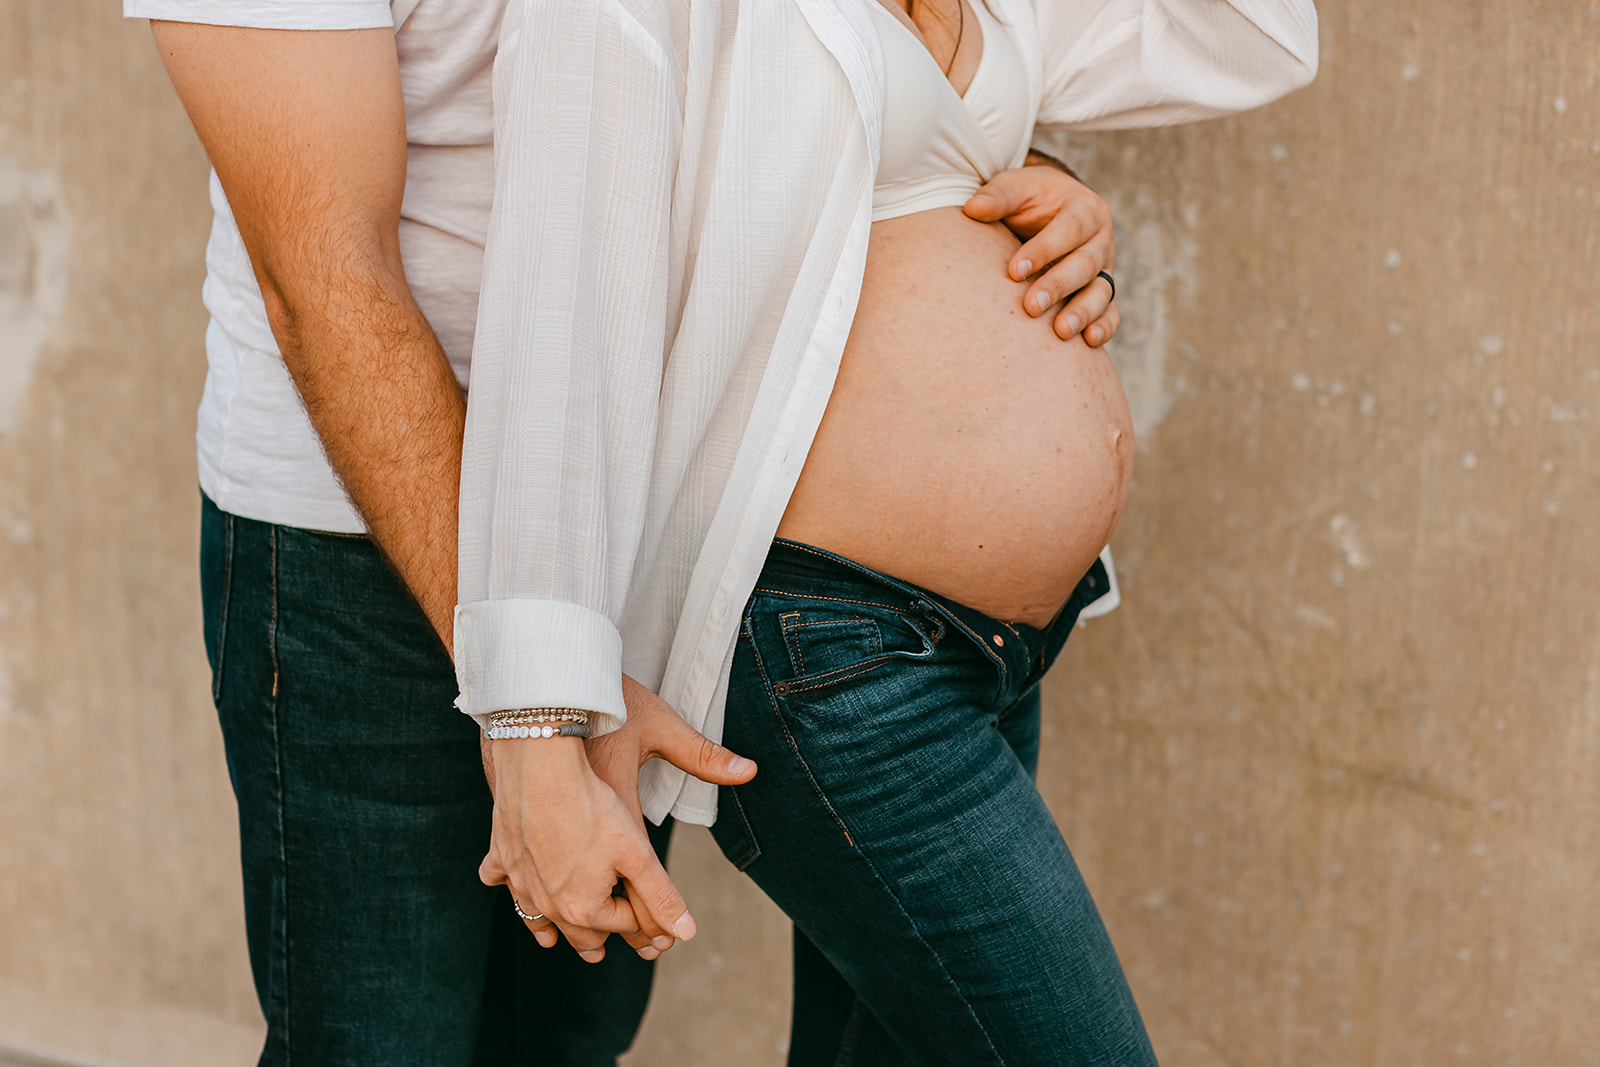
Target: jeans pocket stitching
(791,630)
(788,627)
(753,851)
(984,645)
(829,599)
(794,746)
(843,674)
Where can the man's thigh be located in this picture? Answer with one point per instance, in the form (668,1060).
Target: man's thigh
(363,816)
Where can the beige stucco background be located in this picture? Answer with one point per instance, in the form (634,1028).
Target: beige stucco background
(1332,769)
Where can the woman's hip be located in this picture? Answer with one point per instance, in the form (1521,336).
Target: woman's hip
(895,820)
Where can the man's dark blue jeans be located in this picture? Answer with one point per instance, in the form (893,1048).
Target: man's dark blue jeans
(363,815)
(939,918)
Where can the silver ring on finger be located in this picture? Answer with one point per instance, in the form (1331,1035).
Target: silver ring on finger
(524,916)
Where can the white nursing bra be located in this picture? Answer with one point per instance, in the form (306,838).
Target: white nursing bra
(938,145)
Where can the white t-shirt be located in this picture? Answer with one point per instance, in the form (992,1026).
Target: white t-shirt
(259,456)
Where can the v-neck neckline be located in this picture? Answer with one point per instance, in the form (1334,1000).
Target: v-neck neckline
(895,14)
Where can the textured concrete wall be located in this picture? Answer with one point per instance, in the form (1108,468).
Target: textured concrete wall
(1330,771)
(121,937)
(120,917)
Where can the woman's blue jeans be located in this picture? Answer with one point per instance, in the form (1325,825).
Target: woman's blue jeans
(363,815)
(939,917)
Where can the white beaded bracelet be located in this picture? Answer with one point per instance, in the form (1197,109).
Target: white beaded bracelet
(538,722)
(565,729)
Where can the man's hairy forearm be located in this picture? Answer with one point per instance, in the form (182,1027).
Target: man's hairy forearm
(387,407)
(307,134)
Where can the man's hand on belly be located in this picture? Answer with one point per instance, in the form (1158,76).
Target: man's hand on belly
(1065,228)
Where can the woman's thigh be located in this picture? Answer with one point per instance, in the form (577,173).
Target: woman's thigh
(896,826)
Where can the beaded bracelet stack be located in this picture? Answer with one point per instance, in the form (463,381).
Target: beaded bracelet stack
(538,722)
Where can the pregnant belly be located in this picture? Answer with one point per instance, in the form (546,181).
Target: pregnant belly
(965,448)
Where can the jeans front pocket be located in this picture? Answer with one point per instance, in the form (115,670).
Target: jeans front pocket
(828,645)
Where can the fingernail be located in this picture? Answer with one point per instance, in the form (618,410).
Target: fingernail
(594,955)
(1024,268)
(648,953)
(1043,300)
(685,927)
(739,765)
(661,943)
(1073,324)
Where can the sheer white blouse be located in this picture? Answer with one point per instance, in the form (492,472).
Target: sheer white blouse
(682,202)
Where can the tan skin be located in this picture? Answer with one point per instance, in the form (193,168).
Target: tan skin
(965,448)
(314,121)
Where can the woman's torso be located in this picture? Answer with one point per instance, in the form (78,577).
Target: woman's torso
(965,447)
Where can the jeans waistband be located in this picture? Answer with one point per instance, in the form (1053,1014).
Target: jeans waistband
(1020,652)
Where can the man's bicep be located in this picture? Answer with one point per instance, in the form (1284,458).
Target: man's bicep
(306,129)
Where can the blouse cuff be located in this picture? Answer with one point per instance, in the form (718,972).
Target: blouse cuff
(538,654)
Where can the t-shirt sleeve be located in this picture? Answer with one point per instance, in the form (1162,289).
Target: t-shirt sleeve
(267,14)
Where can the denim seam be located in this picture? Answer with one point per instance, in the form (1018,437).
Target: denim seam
(833,599)
(794,647)
(1009,708)
(823,622)
(884,883)
(335,533)
(753,853)
(981,643)
(852,1030)
(866,666)
(222,607)
(777,716)
(888,888)
(280,932)
(866,625)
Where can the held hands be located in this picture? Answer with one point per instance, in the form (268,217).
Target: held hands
(655,731)
(1066,230)
(568,836)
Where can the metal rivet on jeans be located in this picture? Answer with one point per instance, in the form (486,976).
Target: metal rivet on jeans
(999,641)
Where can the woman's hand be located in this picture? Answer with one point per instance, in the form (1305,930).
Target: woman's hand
(565,844)
(1066,230)
(568,835)
(655,731)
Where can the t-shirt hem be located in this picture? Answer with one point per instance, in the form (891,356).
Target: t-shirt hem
(268,14)
(303,513)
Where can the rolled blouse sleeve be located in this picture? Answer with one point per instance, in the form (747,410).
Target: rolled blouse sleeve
(1110,64)
(568,363)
